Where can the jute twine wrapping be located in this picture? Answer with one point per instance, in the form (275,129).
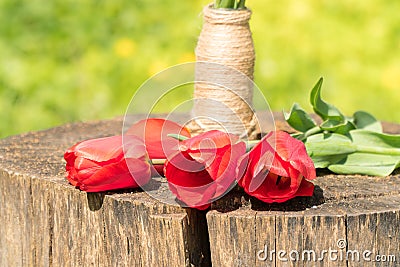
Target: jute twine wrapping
(225,103)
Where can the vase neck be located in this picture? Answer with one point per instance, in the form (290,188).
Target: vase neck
(226,16)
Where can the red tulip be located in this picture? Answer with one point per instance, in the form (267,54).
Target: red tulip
(100,164)
(276,169)
(154,132)
(203,168)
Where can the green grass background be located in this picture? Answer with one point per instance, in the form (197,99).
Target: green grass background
(72,60)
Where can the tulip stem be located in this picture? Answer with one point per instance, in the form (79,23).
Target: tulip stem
(178,137)
(233,4)
(158,161)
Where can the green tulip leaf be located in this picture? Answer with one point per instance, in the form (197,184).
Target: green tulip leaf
(364,120)
(326,161)
(367,163)
(329,145)
(364,170)
(340,127)
(299,119)
(344,145)
(324,110)
(374,142)
(361,152)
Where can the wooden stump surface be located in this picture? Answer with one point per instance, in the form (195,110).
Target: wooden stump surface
(44,221)
(47,222)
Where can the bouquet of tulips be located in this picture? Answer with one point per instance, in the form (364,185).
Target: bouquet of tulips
(198,169)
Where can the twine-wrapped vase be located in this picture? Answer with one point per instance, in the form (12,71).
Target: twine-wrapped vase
(223,93)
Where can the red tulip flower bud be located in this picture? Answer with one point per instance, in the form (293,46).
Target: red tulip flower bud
(154,132)
(102,164)
(203,169)
(276,169)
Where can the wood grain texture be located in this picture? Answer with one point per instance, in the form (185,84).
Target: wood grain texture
(350,221)
(44,221)
(346,217)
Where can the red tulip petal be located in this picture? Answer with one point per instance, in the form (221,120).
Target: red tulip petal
(262,155)
(139,170)
(117,176)
(241,168)
(306,168)
(205,167)
(283,144)
(187,173)
(212,139)
(194,197)
(223,171)
(227,161)
(83,174)
(134,146)
(203,156)
(155,132)
(219,162)
(306,189)
(280,167)
(262,159)
(189,181)
(72,175)
(83,163)
(100,149)
(290,162)
(195,189)
(214,149)
(99,164)
(296,179)
(70,156)
(293,151)
(269,192)
(157,170)
(184,162)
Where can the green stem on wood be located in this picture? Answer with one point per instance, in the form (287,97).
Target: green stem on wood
(178,137)
(312,131)
(158,161)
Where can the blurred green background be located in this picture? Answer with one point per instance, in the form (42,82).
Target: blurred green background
(70,60)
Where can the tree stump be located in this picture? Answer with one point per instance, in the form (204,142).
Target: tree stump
(44,221)
(351,220)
